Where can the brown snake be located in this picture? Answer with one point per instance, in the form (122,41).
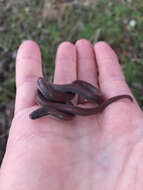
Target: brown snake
(55,99)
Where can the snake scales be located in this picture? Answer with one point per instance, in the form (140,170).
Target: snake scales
(56,99)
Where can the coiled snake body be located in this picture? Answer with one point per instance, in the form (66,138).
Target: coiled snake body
(56,99)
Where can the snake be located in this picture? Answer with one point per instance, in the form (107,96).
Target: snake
(55,100)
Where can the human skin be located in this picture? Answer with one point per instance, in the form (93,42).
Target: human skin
(98,152)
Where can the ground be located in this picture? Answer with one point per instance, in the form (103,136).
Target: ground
(49,22)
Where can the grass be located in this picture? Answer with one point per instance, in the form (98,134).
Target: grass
(119,24)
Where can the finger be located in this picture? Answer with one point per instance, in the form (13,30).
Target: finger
(86,62)
(111,77)
(65,68)
(28,69)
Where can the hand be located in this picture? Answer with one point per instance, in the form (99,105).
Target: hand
(102,151)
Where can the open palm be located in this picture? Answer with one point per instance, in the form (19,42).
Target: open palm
(102,151)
